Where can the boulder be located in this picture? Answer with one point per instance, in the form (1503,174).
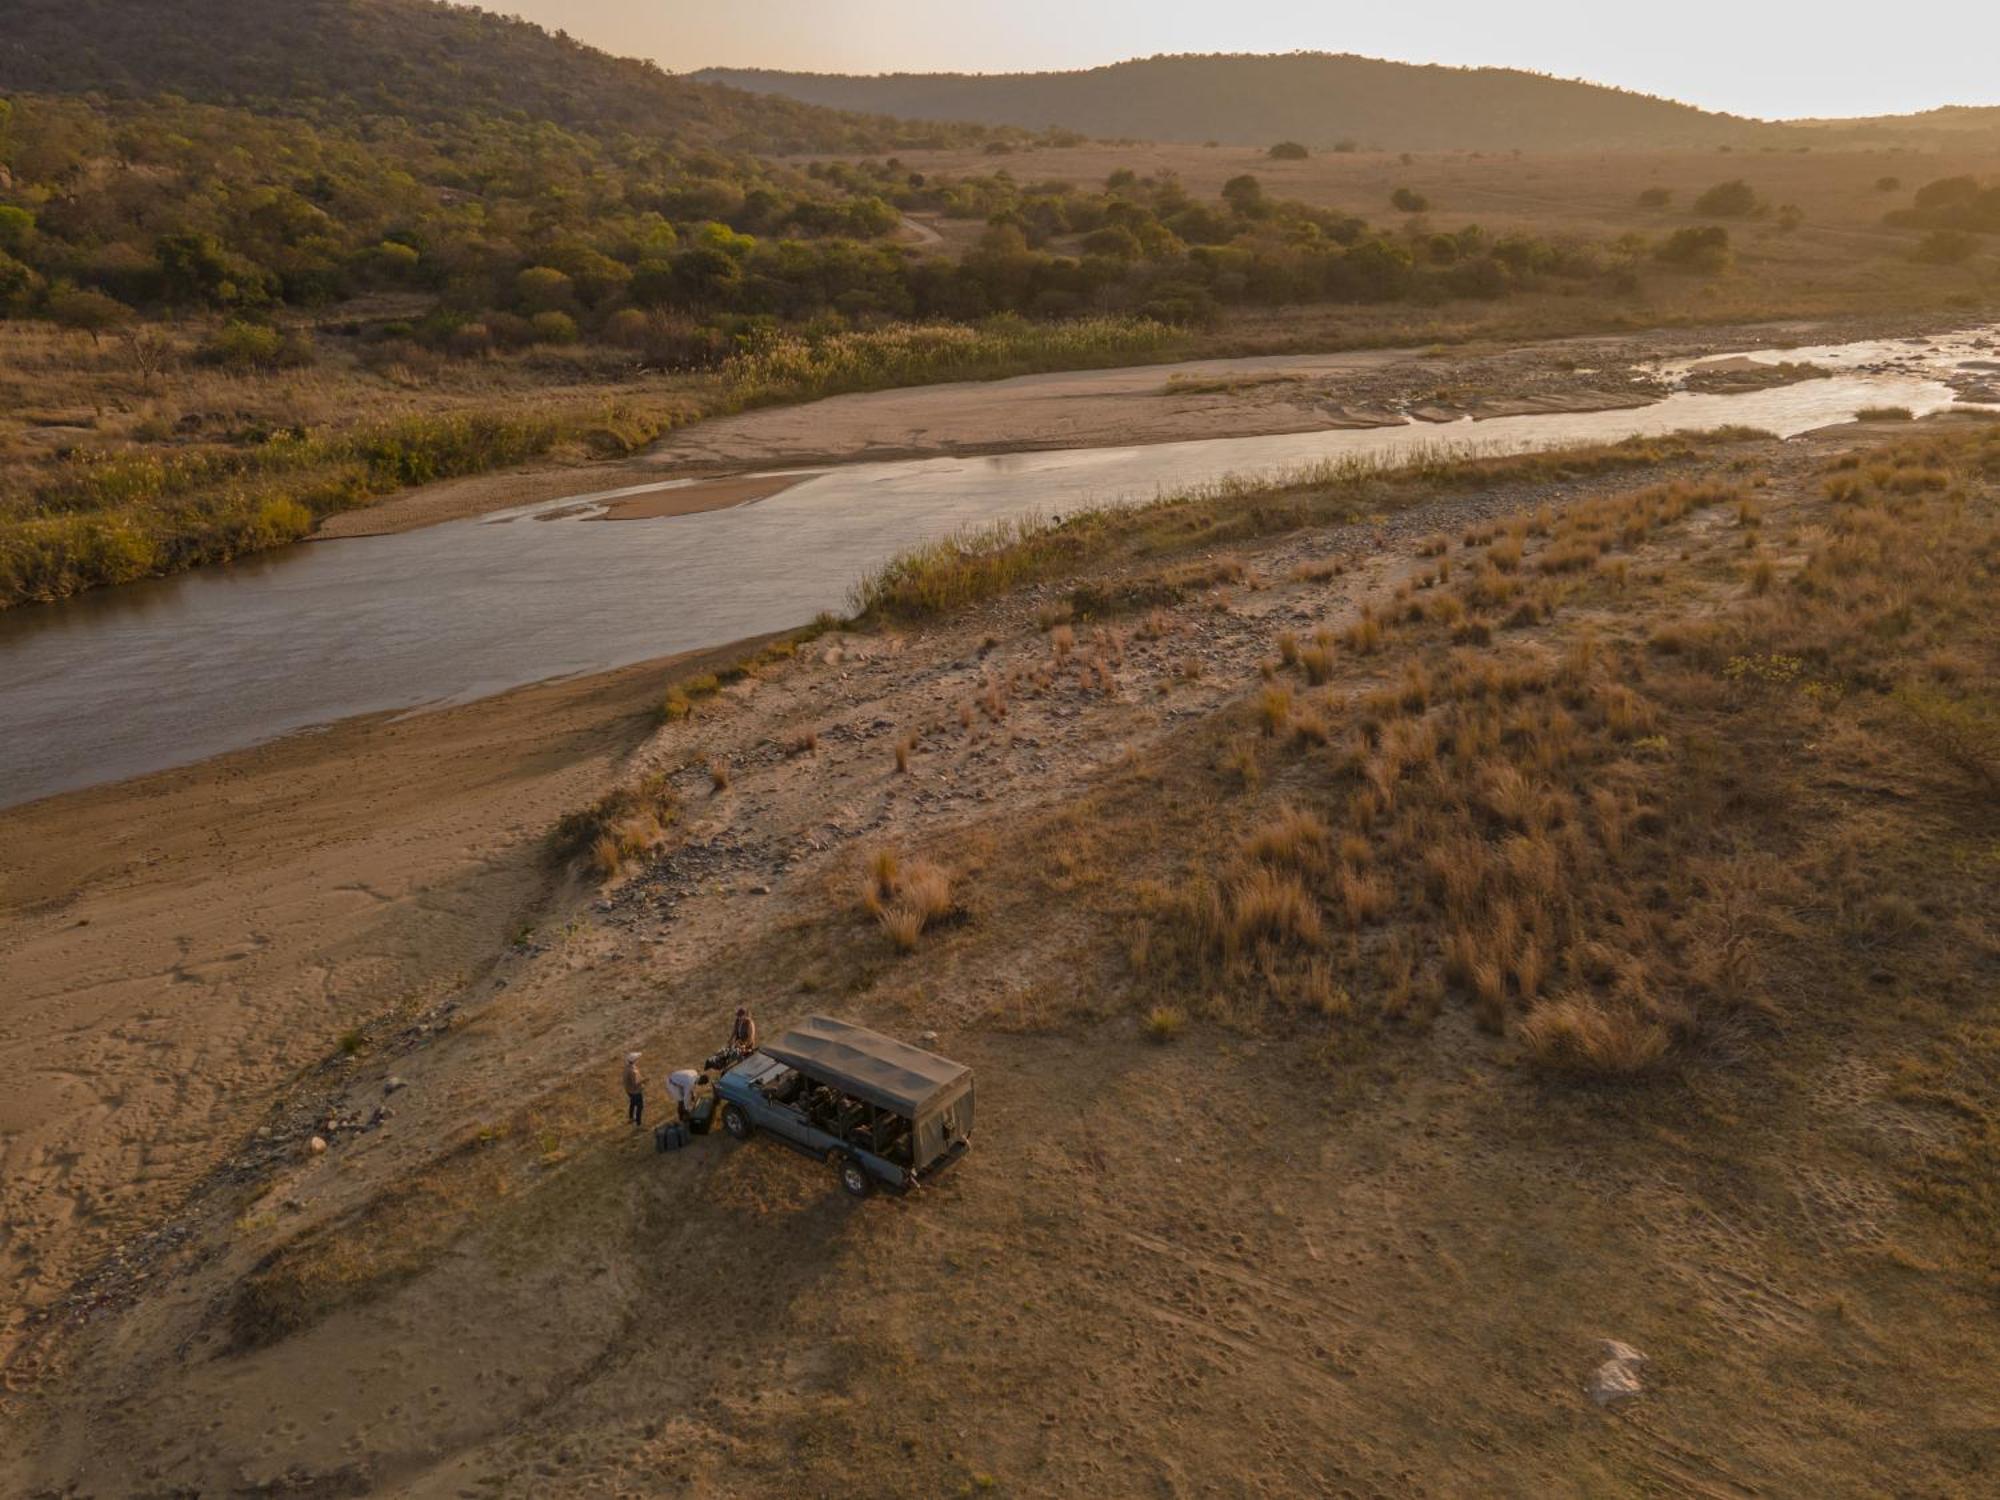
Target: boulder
(1617,1378)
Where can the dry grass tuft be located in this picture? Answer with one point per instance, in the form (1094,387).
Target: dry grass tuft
(906,898)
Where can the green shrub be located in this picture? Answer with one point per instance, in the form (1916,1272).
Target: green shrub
(554,328)
(246,347)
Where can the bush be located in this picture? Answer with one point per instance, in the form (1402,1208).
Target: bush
(1409,201)
(1734,199)
(1946,247)
(554,328)
(244,347)
(1696,249)
(1290,151)
(1656,197)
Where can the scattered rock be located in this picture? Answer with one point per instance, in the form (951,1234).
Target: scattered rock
(394,1083)
(317,1145)
(927,1036)
(1617,1379)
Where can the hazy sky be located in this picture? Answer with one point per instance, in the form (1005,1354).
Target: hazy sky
(1772,58)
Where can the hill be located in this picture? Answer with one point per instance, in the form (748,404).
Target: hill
(1319,99)
(414,59)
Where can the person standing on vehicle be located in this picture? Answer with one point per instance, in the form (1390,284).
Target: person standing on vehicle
(635,1091)
(743,1035)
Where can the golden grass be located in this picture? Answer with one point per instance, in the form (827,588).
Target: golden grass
(624,825)
(905,898)
(1516,814)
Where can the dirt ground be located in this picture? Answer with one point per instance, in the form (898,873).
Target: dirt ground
(1212,1267)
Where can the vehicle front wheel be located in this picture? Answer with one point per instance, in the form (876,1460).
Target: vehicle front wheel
(736,1122)
(854,1177)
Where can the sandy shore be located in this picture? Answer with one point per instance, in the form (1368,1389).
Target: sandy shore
(1254,396)
(707,494)
(1249,397)
(177,945)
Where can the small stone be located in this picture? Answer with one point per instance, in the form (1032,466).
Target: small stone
(394,1083)
(317,1145)
(927,1036)
(760,890)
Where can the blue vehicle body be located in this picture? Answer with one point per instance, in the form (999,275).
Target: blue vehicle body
(883,1111)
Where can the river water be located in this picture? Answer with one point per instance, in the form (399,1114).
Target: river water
(169,671)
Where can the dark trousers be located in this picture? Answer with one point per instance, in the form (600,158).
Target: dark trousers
(637,1113)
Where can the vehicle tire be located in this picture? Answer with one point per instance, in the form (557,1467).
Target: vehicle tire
(854,1177)
(736,1122)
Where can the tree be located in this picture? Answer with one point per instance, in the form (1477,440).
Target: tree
(195,268)
(17,227)
(1288,151)
(1245,195)
(88,312)
(543,289)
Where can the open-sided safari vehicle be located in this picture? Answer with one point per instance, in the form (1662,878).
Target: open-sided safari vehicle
(878,1109)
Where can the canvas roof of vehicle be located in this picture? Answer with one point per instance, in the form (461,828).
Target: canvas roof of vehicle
(890,1074)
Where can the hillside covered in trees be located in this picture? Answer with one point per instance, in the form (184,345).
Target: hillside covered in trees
(1316,98)
(417,61)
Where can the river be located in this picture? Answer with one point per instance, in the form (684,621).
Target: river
(169,671)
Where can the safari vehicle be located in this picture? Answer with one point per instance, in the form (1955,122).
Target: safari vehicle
(880,1110)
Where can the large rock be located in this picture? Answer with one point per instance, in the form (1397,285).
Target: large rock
(1617,1379)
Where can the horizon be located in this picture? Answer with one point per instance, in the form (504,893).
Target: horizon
(1784,62)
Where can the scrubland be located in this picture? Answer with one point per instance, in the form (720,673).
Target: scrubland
(1407,928)
(144,448)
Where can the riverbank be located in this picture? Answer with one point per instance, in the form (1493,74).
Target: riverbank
(179,945)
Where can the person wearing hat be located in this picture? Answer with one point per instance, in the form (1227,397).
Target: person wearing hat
(635,1091)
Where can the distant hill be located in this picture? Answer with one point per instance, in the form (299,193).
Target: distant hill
(1319,99)
(327,60)
(1955,126)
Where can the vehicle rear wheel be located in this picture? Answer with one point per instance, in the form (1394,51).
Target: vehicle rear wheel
(736,1122)
(854,1177)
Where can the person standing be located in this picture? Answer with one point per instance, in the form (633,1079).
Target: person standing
(635,1091)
